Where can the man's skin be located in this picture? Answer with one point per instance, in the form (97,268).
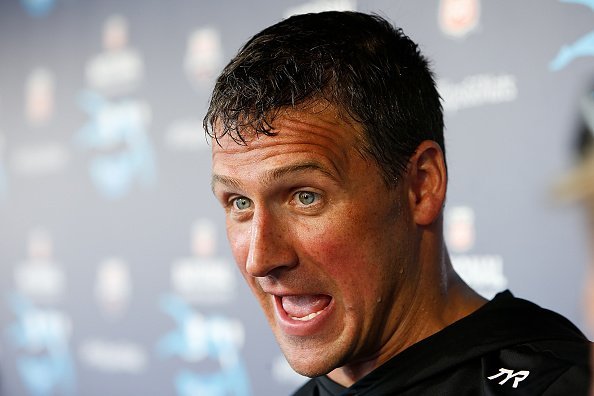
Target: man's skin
(349,272)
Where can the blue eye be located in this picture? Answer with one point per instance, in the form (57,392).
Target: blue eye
(242,203)
(306,197)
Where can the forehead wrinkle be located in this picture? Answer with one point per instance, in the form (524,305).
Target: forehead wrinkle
(278,173)
(336,137)
(327,131)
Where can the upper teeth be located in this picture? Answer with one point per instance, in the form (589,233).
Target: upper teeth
(308,317)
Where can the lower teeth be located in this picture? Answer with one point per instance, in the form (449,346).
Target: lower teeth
(308,317)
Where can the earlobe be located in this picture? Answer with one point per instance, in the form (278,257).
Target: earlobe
(428,182)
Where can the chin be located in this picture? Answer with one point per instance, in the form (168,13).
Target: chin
(309,362)
(309,368)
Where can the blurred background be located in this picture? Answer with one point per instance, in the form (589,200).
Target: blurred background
(115,275)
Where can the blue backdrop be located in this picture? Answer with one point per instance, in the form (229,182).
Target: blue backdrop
(115,274)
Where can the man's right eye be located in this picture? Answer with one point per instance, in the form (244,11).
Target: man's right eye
(242,203)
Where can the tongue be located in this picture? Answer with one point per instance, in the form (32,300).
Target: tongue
(300,306)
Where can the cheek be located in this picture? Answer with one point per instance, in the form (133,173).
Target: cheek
(346,250)
(328,241)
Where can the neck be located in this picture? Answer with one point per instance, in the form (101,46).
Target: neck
(438,298)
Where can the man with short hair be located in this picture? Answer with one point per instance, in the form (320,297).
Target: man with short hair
(328,158)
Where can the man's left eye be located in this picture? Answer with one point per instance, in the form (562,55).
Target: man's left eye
(307,197)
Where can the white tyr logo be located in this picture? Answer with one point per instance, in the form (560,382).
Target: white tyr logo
(518,376)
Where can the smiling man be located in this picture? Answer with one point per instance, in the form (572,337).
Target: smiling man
(328,158)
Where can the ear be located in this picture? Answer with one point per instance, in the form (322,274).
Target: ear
(428,181)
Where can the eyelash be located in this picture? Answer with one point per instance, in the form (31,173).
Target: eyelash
(295,200)
(316,196)
(233,202)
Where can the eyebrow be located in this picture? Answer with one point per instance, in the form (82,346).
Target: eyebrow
(272,175)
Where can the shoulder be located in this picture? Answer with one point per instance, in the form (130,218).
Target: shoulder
(535,349)
(508,320)
(543,367)
(509,346)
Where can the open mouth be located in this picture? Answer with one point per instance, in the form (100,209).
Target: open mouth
(304,308)
(303,315)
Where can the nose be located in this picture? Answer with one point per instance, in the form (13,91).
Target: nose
(270,250)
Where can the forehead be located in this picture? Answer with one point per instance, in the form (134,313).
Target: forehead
(314,131)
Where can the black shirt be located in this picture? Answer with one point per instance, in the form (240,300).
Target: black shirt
(509,346)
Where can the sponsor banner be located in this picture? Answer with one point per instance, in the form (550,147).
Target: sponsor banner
(118,70)
(204,278)
(460,233)
(39,277)
(186,135)
(582,47)
(39,97)
(204,281)
(204,56)
(40,159)
(113,356)
(41,337)
(483,272)
(113,287)
(117,134)
(38,8)
(477,90)
(199,339)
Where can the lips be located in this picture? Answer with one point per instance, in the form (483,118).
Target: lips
(303,314)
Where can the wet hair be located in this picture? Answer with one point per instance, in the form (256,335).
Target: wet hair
(371,72)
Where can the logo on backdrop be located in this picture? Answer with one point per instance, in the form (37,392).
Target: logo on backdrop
(483,272)
(204,56)
(117,133)
(38,8)
(39,97)
(113,356)
(203,60)
(113,290)
(583,46)
(118,69)
(186,135)
(204,339)
(117,130)
(40,159)
(477,90)
(43,157)
(40,277)
(113,287)
(203,278)
(461,233)
(41,336)
(457,18)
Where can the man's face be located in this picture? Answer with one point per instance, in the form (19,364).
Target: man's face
(324,245)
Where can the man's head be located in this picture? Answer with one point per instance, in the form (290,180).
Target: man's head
(372,73)
(328,159)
